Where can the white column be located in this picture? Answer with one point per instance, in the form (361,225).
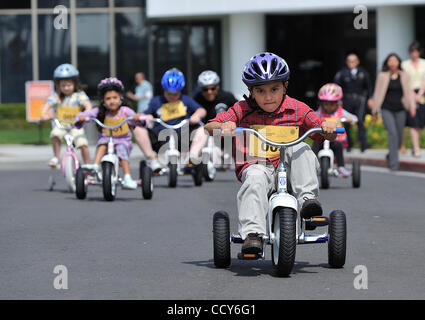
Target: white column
(112,46)
(73,33)
(244,35)
(34,28)
(395,31)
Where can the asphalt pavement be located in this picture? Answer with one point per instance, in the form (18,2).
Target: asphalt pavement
(162,248)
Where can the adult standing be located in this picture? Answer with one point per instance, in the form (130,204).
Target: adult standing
(143,92)
(415,68)
(355,83)
(143,95)
(393,97)
(210,94)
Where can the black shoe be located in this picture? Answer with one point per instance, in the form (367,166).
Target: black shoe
(364,147)
(311,208)
(253,244)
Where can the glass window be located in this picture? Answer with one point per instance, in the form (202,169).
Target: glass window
(52,3)
(93,49)
(15,56)
(92,3)
(192,48)
(23,4)
(311,62)
(131,47)
(420,26)
(205,49)
(54,47)
(130,3)
(170,50)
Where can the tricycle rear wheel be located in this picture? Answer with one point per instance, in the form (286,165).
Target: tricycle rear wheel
(337,239)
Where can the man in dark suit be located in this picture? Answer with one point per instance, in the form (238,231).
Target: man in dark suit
(355,83)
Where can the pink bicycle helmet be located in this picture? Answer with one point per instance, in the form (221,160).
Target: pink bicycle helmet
(330,92)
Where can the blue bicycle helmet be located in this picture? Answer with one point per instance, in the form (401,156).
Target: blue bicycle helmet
(65,71)
(173,80)
(263,68)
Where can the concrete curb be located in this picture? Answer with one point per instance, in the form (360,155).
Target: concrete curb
(405,165)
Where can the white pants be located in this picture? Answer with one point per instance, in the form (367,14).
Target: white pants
(259,182)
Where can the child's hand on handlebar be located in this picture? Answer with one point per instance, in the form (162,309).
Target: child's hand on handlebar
(82,118)
(45,117)
(143,119)
(228,128)
(349,119)
(329,129)
(194,119)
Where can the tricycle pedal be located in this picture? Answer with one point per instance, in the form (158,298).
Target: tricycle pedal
(249,256)
(318,221)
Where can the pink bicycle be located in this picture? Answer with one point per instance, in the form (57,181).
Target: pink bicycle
(69,163)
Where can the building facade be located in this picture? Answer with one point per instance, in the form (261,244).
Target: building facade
(120,37)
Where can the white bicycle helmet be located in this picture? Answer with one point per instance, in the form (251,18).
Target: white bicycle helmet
(208,78)
(65,71)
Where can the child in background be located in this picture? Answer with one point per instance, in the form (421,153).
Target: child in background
(266,76)
(173,107)
(111,112)
(68,100)
(330,97)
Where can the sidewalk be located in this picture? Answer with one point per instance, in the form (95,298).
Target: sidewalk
(377,158)
(33,156)
(37,156)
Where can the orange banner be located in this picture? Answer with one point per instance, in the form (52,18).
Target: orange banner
(36,93)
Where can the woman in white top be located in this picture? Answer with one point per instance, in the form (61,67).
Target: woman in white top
(415,68)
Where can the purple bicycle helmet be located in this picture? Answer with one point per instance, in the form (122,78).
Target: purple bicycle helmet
(265,67)
(108,84)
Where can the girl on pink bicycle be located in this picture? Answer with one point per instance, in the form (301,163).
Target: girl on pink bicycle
(68,100)
(112,112)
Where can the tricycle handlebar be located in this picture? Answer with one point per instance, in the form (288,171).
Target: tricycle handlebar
(59,124)
(111,127)
(286,144)
(168,126)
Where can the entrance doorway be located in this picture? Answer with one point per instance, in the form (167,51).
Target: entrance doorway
(315,46)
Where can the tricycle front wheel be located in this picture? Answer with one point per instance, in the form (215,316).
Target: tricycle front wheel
(80,184)
(285,242)
(108,183)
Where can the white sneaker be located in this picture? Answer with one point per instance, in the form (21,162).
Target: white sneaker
(154,164)
(129,183)
(54,162)
(91,166)
(194,160)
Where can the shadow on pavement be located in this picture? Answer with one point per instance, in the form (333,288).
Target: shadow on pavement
(259,267)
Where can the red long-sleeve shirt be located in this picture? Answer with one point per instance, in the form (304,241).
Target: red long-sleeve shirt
(291,113)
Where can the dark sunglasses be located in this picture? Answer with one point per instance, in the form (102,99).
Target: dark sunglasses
(205,89)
